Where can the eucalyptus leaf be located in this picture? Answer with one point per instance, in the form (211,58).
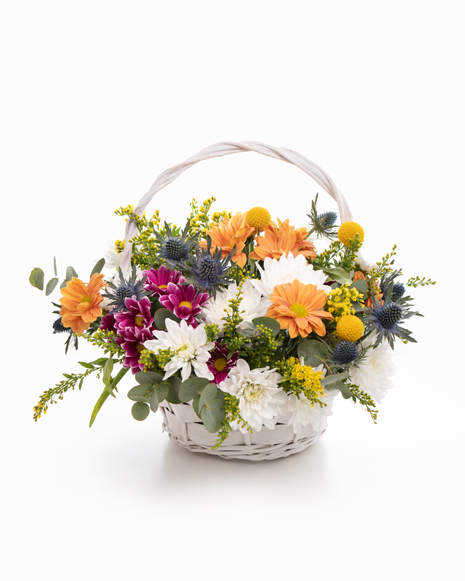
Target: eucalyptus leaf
(163,390)
(342,387)
(160,317)
(98,267)
(213,415)
(191,388)
(269,323)
(153,400)
(141,392)
(36,278)
(196,406)
(55,265)
(148,377)
(51,286)
(174,385)
(314,352)
(338,274)
(70,272)
(334,378)
(140,411)
(208,395)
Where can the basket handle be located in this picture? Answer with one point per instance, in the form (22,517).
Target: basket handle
(227,148)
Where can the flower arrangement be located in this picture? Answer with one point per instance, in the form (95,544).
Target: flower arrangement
(239,316)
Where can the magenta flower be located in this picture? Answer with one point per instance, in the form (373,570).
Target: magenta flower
(219,364)
(184,302)
(157,280)
(107,322)
(136,315)
(133,344)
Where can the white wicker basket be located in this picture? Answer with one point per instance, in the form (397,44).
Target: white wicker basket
(180,421)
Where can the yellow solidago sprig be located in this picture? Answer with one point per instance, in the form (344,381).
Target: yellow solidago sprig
(199,217)
(231,414)
(299,378)
(340,301)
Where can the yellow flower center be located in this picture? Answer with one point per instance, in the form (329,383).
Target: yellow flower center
(299,310)
(140,347)
(186,304)
(139,320)
(220,364)
(162,286)
(86,299)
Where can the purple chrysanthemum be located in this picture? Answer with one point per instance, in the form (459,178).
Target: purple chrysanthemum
(107,322)
(133,344)
(184,302)
(219,364)
(158,279)
(136,315)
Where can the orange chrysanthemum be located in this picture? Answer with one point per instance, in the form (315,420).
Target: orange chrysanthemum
(299,308)
(282,239)
(229,233)
(80,302)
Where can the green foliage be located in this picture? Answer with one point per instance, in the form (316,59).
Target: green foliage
(110,387)
(364,399)
(314,353)
(140,411)
(51,286)
(269,323)
(192,387)
(71,381)
(36,278)
(160,318)
(337,274)
(231,414)
(416,281)
(98,267)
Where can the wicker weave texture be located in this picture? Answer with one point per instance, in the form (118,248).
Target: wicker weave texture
(186,429)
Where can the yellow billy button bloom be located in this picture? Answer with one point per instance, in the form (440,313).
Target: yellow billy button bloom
(259,218)
(347,232)
(350,328)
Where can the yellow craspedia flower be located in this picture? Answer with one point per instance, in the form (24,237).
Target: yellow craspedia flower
(348,230)
(258,218)
(349,328)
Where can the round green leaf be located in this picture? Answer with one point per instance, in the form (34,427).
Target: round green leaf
(213,415)
(51,286)
(313,352)
(208,395)
(141,392)
(140,411)
(143,377)
(160,317)
(192,387)
(36,278)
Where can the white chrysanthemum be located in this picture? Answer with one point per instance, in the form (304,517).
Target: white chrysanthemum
(252,305)
(287,269)
(189,345)
(373,372)
(261,399)
(112,258)
(304,412)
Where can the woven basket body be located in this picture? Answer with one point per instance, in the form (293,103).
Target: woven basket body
(186,429)
(180,421)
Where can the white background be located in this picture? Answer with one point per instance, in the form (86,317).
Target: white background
(100,97)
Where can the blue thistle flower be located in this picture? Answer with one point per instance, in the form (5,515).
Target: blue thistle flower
(208,271)
(398,291)
(175,249)
(345,352)
(58,327)
(327,219)
(118,293)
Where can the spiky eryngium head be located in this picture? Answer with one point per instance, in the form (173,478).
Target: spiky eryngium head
(118,291)
(175,249)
